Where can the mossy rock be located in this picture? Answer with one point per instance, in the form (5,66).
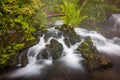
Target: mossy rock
(87,46)
(55,49)
(72,39)
(96,61)
(11,47)
(93,59)
(43,54)
(71,36)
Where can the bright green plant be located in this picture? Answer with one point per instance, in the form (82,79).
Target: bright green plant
(18,16)
(73,14)
(10,50)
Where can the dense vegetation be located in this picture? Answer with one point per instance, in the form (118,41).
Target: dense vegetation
(18,19)
(21,19)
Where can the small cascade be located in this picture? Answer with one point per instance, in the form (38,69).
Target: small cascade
(114,22)
(35,50)
(34,67)
(116,40)
(103,45)
(70,57)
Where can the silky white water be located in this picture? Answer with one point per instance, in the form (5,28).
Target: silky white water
(103,45)
(69,56)
(32,68)
(115,20)
(71,59)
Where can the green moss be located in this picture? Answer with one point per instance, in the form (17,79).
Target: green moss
(8,52)
(84,48)
(93,60)
(55,49)
(19,19)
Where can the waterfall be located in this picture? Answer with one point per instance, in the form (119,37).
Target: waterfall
(35,50)
(104,45)
(69,56)
(71,59)
(114,22)
(35,66)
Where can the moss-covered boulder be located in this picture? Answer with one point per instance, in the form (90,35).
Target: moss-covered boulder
(93,59)
(87,46)
(72,38)
(55,49)
(11,46)
(96,61)
(69,34)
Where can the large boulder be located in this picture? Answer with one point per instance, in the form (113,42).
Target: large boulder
(55,49)
(87,46)
(96,61)
(93,59)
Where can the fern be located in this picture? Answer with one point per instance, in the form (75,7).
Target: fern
(73,16)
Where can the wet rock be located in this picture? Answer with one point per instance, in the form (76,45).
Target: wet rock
(55,34)
(70,34)
(96,61)
(93,59)
(72,39)
(24,58)
(43,54)
(55,49)
(67,42)
(87,46)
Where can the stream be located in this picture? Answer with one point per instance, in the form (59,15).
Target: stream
(69,66)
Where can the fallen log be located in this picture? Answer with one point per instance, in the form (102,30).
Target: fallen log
(55,15)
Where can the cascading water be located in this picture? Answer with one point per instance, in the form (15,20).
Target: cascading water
(33,67)
(115,20)
(70,59)
(69,56)
(35,50)
(103,45)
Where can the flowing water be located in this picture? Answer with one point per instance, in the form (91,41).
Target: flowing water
(115,22)
(104,45)
(70,59)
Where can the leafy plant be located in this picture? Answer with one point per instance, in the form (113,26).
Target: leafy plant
(6,53)
(73,14)
(18,16)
